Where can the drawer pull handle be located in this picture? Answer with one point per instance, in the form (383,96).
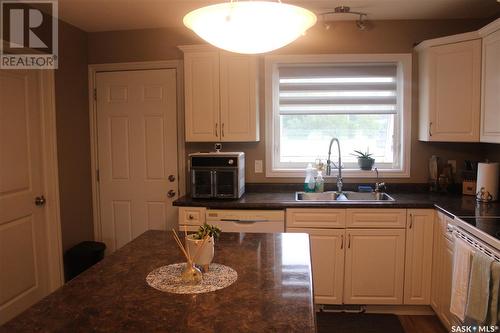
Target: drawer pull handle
(411,221)
(349,241)
(242,220)
(341,242)
(191,217)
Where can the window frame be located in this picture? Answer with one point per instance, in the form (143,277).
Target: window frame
(402,127)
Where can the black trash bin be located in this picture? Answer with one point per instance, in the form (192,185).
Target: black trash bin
(81,257)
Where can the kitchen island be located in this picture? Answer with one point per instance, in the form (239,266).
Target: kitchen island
(273,292)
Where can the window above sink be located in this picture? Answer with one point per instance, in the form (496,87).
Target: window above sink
(363,100)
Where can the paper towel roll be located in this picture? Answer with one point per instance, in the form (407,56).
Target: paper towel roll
(487,177)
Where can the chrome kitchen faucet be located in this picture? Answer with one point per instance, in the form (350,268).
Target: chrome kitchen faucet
(338,166)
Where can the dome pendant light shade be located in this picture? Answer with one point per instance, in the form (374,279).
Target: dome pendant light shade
(250,26)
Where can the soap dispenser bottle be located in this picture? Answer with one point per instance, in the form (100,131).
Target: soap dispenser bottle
(320,182)
(309,182)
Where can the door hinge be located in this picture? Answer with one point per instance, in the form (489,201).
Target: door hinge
(97,175)
(95,94)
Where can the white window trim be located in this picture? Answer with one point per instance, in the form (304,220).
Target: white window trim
(404,61)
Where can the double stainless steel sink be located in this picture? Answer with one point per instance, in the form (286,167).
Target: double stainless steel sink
(348,196)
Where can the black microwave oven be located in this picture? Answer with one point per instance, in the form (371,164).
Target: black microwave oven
(218,175)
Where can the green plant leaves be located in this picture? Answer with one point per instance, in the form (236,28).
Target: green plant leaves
(206,229)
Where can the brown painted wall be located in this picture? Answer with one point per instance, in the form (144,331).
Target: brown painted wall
(73,136)
(343,37)
(493,152)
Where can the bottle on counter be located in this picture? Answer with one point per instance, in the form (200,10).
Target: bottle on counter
(309,182)
(320,182)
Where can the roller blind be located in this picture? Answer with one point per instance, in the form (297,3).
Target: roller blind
(312,89)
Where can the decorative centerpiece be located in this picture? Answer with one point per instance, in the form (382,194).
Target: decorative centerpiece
(196,244)
(191,274)
(187,278)
(365,160)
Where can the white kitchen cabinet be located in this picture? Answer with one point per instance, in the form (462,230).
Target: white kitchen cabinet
(442,271)
(201,93)
(327,254)
(374,266)
(445,284)
(221,103)
(191,216)
(436,264)
(418,256)
(490,106)
(238,97)
(376,218)
(450,88)
(326,218)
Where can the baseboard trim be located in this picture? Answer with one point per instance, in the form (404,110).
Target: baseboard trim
(409,310)
(403,310)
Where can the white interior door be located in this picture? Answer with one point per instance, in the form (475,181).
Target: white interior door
(137,153)
(24,271)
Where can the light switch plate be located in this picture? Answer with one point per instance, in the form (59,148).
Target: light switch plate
(258,166)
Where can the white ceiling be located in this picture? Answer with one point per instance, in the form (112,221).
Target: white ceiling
(107,15)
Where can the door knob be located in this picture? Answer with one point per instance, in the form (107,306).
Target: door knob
(171,178)
(171,194)
(40,201)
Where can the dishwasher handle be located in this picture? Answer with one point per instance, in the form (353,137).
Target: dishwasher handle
(243,221)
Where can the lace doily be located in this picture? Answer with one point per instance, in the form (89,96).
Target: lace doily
(168,279)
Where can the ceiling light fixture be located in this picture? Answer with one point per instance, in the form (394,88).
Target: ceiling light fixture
(360,22)
(250,26)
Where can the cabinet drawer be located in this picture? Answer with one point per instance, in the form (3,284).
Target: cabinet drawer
(315,218)
(376,218)
(191,215)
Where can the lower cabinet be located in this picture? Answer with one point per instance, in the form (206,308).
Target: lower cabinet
(358,255)
(374,266)
(442,271)
(418,257)
(327,251)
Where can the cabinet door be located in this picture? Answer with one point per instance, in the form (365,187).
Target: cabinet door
(436,262)
(374,268)
(453,92)
(418,257)
(238,97)
(444,313)
(201,80)
(490,115)
(327,252)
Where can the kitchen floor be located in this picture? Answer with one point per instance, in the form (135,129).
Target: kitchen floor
(377,323)
(419,324)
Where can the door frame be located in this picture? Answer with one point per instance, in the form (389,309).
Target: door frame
(93,69)
(50,178)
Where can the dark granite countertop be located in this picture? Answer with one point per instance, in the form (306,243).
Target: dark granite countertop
(273,292)
(456,205)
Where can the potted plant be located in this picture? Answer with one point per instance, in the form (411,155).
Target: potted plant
(201,249)
(365,161)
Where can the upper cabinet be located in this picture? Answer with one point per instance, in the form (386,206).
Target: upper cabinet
(221,101)
(201,96)
(490,111)
(459,87)
(449,91)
